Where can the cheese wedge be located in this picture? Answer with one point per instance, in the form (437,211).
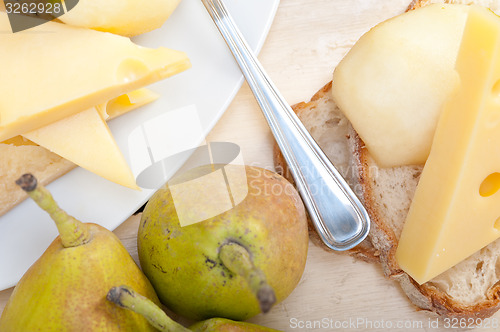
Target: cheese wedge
(126,103)
(20,155)
(108,111)
(54,70)
(85,139)
(456,208)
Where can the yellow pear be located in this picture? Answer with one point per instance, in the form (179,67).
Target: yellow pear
(65,289)
(395,80)
(235,264)
(126,297)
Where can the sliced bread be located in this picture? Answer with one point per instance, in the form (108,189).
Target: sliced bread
(471,289)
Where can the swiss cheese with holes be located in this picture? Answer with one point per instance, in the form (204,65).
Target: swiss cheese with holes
(456,208)
(53,71)
(85,139)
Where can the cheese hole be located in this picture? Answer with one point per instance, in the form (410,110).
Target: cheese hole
(116,105)
(496,91)
(130,70)
(490,185)
(497,224)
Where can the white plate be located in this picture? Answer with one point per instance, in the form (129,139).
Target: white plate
(207,88)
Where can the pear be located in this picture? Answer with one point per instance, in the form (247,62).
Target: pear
(126,297)
(394,81)
(235,264)
(65,289)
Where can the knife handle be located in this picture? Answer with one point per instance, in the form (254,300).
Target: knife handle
(336,212)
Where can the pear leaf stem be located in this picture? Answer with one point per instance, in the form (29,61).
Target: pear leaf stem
(72,232)
(126,297)
(237,259)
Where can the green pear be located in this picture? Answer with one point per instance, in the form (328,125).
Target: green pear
(126,297)
(65,289)
(235,264)
(224,324)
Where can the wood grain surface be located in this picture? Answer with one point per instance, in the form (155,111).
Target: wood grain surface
(337,292)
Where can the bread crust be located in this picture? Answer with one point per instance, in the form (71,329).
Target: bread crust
(381,235)
(29,158)
(381,244)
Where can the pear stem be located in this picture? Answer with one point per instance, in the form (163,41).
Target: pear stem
(127,298)
(72,231)
(237,259)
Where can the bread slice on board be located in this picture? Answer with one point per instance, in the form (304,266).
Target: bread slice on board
(471,289)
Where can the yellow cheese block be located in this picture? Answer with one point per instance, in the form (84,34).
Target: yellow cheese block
(456,208)
(54,70)
(85,139)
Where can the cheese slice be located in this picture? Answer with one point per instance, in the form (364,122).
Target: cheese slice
(109,110)
(456,208)
(85,139)
(54,70)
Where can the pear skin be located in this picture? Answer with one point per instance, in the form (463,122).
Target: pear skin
(65,289)
(227,325)
(184,264)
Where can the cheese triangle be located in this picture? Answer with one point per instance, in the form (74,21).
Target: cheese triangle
(54,70)
(109,110)
(85,139)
